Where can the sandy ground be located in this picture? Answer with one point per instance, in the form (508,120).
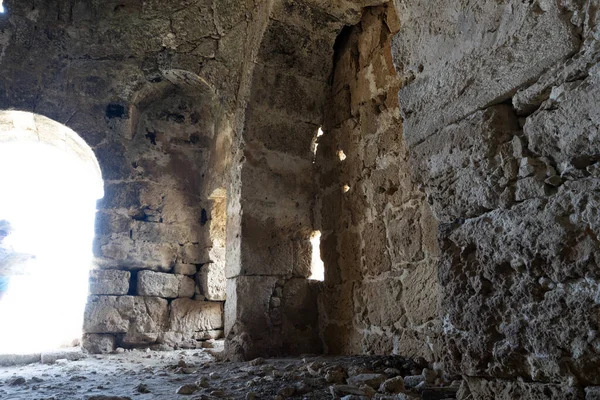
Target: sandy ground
(145,375)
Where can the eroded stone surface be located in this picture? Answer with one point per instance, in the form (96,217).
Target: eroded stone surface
(150,283)
(109,282)
(211,280)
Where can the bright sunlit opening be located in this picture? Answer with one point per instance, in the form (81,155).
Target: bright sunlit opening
(315,143)
(345,188)
(317,266)
(341,155)
(1,7)
(48,198)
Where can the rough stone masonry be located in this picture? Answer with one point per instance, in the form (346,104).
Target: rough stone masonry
(456,184)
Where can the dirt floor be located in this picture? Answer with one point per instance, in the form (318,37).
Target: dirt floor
(197,374)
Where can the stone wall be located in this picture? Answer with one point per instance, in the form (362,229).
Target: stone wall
(378,234)
(501,120)
(475,121)
(151,87)
(283,112)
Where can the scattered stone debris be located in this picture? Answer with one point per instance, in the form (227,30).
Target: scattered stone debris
(132,373)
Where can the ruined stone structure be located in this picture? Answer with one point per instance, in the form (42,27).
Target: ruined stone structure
(456,185)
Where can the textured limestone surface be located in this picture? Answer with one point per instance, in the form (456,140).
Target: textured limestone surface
(109,282)
(502,130)
(378,241)
(150,283)
(456,183)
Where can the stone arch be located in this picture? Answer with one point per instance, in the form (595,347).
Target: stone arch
(23,126)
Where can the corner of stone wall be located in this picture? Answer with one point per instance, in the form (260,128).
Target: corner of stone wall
(378,242)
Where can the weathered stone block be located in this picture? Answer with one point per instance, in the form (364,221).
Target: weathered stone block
(121,251)
(565,129)
(541,252)
(109,282)
(140,318)
(191,317)
(377,302)
(107,314)
(158,284)
(172,233)
(421,293)
(482,60)
(148,319)
(467,166)
(98,344)
(296,97)
(300,316)
(376,253)
(185,269)
(249,329)
(212,282)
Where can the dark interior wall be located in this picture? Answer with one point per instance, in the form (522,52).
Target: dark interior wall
(285,106)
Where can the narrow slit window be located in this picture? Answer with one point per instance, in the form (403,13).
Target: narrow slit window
(314,145)
(317,266)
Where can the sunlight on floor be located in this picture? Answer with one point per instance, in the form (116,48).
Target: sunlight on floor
(49,200)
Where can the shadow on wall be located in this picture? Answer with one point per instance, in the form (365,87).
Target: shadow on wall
(161,225)
(50,182)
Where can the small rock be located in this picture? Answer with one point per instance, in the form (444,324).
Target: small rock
(429,374)
(203,383)
(392,372)
(188,389)
(358,370)
(314,368)
(119,350)
(392,385)
(421,385)
(342,390)
(413,380)
(251,396)
(287,391)
(372,380)
(335,376)
(302,388)
(19,380)
(142,388)
(217,393)
(368,390)
(257,361)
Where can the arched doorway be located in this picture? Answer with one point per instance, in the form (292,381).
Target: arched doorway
(50,181)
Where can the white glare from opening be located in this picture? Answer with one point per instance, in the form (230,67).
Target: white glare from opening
(345,188)
(49,200)
(317,267)
(314,145)
(1,7)
(341,155)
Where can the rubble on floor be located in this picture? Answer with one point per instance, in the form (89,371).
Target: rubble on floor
(197,374)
